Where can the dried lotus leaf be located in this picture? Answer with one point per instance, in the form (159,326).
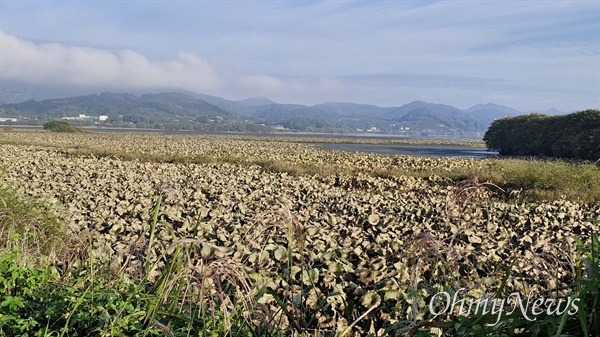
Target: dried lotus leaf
(280,254)
(373,219)
(370,299)
(474,239)
(310,277)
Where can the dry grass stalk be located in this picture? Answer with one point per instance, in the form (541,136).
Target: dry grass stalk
(164,329)
(203,280)
(295,229)
(33,232)
(472,190)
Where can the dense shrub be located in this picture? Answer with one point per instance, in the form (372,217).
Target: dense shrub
(60,126)
(575,135)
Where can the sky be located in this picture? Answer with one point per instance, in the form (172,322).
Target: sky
(529,55)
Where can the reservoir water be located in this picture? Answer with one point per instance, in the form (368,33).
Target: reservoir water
(413,150)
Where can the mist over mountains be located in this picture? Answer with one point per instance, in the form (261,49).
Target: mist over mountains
(185,110)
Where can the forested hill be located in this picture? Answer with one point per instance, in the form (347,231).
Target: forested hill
(175,111)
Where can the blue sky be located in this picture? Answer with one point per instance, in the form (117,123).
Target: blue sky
(530,55)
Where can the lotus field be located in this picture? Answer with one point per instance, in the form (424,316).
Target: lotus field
(290,238)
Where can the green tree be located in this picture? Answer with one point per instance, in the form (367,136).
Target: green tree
(60,126)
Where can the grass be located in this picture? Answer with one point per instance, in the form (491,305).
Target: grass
(30,227)
(545,180)
(531,179)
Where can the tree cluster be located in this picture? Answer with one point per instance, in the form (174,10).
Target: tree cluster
(61,126)
(575,135)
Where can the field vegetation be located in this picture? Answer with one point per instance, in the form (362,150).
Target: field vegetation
(176,235)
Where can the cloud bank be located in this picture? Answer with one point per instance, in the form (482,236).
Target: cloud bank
(55,63)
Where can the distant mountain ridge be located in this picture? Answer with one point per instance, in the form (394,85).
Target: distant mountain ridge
(171,111)
(417,116)
(184,109)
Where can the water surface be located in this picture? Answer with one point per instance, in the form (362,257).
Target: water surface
(413,150)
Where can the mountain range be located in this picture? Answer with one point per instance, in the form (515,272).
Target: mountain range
(186,110)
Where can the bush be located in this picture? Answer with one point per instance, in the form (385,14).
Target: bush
(60,126)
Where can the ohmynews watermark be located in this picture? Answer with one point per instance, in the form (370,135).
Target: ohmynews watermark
(529,307)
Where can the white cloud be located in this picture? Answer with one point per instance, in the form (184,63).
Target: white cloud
(54,63)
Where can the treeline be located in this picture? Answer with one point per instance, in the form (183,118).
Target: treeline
(308,124)
(575,135)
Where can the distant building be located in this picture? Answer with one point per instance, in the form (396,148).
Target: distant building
(78,118)
(102,118)
(8,119)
